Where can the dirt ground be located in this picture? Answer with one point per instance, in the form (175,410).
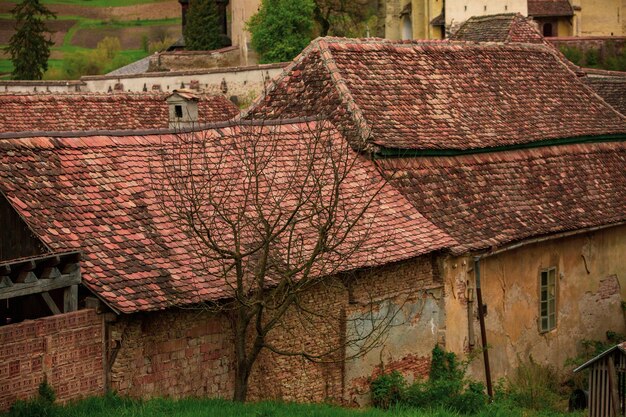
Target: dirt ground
(160,10)
(58,27)
(130,38)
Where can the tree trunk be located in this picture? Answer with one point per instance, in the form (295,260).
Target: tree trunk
(242,373)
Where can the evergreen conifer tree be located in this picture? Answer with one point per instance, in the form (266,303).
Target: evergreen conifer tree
(30,44)
(202,28)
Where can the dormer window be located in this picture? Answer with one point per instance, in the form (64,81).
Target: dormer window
(183,108)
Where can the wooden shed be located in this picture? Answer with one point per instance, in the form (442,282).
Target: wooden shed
(607,382)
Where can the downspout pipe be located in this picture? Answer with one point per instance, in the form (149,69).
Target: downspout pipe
(483,332)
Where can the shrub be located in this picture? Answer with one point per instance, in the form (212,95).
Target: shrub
(387,390)
(592,57)
(573,54)
(535,386)
(447,387)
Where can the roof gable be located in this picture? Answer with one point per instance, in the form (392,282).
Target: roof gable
(508,27)
(434,95)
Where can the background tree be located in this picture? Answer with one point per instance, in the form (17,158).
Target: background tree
(203,28)
(281,29)
(30,44)
(349,18)
(278,214)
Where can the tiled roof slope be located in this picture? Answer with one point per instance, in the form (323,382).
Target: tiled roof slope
(492,199)
(506,27)
(94,193)
(98,111)
(438,95)
(611,89)
(541,8)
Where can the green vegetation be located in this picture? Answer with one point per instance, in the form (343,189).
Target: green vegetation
(281,29)
(203,29)
(533,389)
(447,387)
(75,52)
(607,57)
(112,405)
(30,44)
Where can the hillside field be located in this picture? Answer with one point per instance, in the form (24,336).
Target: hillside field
(139,25)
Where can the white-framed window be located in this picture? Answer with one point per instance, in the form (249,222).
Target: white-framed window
(547,299)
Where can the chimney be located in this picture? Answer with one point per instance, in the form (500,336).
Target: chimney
(183,108)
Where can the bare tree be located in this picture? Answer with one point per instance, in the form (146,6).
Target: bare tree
(278,213)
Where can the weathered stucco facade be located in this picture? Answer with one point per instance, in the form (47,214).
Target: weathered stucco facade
(591,281)
(599,17)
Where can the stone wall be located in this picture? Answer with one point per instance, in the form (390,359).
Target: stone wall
(195,60)
(613,44)
(241,84)
(65,349)
(183,352)
(177,353)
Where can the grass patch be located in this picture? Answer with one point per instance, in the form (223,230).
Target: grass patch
(111,405)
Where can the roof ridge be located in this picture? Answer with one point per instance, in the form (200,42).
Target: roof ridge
(244,114)
(345,96)
(18,137)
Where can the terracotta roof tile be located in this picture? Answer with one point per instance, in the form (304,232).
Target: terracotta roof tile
(96,111)
(611,89)
(95,194)
(491,199)
(507,27)
(541,8)
(438,94)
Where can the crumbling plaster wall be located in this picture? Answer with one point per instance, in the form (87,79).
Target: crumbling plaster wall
(591,275)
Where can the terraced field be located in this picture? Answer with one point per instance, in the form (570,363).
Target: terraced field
(82,24)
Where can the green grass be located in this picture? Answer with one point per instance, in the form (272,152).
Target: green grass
(111,405)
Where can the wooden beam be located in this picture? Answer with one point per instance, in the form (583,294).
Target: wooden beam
(50,302)
(70,299)
(26,273)
(5,281)
(21,289)
(613,387)
(50,272)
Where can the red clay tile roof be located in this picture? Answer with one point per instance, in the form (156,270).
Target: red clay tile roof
(438,95)
(98,111)
(94,193)
(611,89)
(506,27)
(541,8)
(492,199)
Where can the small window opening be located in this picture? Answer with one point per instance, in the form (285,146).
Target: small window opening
(506,7)
(485,8)
(547,300)
(547,30)
(178,109)
(465,8)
